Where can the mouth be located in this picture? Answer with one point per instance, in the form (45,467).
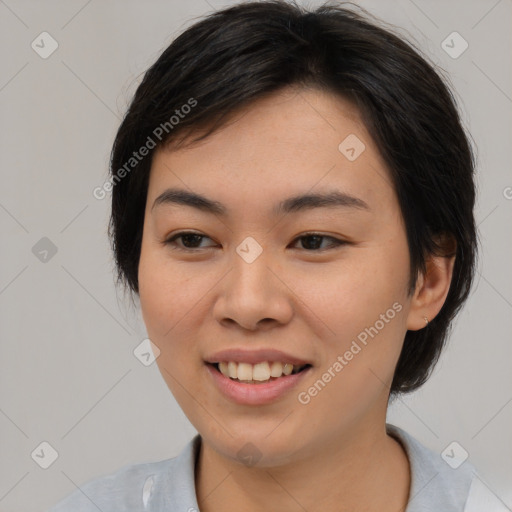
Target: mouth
(256,377)
(259,373)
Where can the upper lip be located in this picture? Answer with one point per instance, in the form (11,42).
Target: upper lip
(240,355)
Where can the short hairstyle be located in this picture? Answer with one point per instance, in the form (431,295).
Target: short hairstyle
(240,54)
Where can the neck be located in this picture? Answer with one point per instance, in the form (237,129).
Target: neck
(360,471)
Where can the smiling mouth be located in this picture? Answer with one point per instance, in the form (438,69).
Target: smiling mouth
(259,373)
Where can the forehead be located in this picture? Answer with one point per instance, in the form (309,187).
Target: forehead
(290,142)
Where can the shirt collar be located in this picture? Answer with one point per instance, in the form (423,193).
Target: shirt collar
(431,478)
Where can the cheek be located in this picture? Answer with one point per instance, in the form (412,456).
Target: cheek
(166,292)
(351,294)
(162,309)
(173,296)
(363,302)
(167,298)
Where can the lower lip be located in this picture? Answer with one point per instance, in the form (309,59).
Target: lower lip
(255,394)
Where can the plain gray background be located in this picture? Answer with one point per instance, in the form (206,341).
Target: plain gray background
(68,373)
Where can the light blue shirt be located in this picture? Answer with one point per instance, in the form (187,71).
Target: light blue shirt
(168,485)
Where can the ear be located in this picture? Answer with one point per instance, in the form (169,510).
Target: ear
(433,286)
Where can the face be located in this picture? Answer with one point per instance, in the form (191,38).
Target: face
(261,280)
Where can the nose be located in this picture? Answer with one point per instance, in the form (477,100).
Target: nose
(254,295)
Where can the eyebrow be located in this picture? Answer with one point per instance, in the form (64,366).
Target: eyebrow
(301,202)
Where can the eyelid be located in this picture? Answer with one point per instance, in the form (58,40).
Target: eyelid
(170,240)
(335,242)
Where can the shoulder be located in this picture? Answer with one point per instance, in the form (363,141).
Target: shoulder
(122,490)
(138,487)
(444,481)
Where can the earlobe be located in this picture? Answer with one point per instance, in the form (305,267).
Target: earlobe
(431,290)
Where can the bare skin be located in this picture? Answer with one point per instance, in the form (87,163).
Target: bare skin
(331,453)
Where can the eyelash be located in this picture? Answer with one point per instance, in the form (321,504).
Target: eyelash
(171,241)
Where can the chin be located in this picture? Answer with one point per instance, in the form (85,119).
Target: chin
(257,447)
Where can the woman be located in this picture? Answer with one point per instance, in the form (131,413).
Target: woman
(292,202)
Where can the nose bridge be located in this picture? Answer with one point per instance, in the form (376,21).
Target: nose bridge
(251,291)
(251,277)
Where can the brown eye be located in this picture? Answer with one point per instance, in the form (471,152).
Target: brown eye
(313,241)
(189,241)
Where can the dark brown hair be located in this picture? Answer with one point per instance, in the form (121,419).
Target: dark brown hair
(242,53)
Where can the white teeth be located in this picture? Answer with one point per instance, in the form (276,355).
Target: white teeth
(276,369)
(287,368)
(259,372)
(244,371)
(223,367)
(232,370)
